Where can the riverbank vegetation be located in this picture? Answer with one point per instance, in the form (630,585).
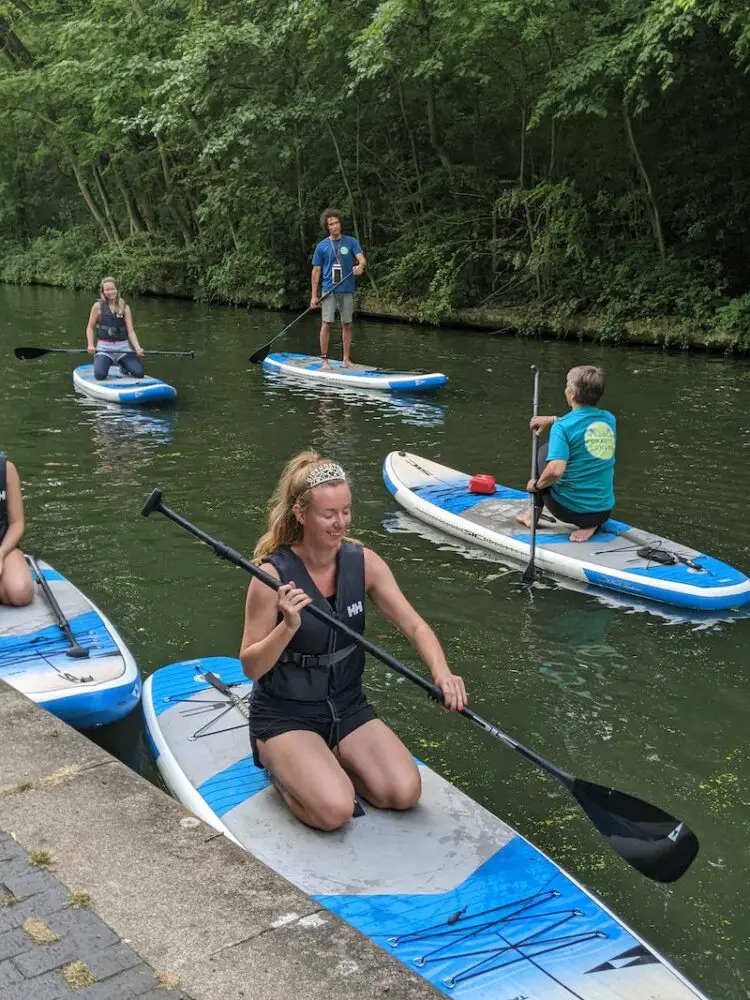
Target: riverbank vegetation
(568,163)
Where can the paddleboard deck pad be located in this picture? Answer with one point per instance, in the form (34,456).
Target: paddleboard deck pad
(448,888)
(669,573)
(85,693)
(311,369)
(120,387)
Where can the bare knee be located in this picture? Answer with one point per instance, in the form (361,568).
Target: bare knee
(400,791)
(18,594)
(332,811)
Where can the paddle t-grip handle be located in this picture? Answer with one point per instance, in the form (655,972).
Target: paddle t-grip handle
(153,503)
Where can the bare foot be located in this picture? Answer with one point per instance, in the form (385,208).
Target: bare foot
(347,363)
(582,534)
(324,363)
(524,519)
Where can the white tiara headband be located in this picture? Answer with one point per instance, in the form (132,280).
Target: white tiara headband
(328,473)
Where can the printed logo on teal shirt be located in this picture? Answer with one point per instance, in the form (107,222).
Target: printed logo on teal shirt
(599,439)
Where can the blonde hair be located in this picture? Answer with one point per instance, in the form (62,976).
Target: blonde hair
(291,490)
(119,307)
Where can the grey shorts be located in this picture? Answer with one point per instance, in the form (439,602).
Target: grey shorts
(344,303)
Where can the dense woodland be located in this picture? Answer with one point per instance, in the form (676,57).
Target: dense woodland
(560,158)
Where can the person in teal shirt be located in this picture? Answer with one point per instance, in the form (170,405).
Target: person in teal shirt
(576,469)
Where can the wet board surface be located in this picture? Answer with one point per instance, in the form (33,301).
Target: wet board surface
(121,388)
(86,692)
(310,368)
(440,496)
(448,888)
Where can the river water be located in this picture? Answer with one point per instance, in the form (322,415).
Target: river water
(620,695)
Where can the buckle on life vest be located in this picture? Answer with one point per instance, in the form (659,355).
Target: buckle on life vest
(482,482)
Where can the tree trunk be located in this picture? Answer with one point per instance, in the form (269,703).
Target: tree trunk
(655,215)
(13,48)
(89,200)
(300,200)
(412,143)
(432,123)
(344,177)
(107,207)
(134,216)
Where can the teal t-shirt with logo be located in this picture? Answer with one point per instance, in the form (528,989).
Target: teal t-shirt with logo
(585,439)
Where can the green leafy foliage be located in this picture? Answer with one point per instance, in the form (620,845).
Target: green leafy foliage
(555,157)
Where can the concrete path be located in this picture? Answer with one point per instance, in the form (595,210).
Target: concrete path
(52,945)
(171,903)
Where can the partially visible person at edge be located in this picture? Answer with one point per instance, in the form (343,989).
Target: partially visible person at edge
(16,585)
(341,261)
(111,322)
(576,469)
(311,725)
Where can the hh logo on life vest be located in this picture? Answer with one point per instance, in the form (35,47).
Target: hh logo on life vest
(354,609)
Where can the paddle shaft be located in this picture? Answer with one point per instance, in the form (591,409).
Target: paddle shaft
(232,555)
(528,573)
(28,353)
(235,699)
(76,651)
(262,352)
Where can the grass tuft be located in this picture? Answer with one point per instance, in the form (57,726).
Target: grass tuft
(39,932)
(77,975)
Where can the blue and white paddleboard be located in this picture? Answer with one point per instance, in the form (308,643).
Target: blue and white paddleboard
(311,369)
(440,496)
(85,693)
(452,891)
(119,387)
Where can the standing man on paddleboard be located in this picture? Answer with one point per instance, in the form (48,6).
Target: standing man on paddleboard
(340,260)
(16,585)
(111,321)
(311,725)
(576,469)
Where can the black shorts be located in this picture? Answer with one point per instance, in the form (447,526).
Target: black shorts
(580,520)
(332,720)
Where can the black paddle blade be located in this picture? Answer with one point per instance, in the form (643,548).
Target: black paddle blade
(27,353)
(260,355)
(656,844)
(77,652)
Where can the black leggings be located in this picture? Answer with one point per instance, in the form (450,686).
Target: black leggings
(129,363)
(545,498)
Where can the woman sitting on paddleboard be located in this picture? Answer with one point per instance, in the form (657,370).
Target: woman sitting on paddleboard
(16,586)
(576,469)
(111,322)
(311,726)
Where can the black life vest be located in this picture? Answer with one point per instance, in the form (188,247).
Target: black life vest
(320,663)
(110,326)
(3,494)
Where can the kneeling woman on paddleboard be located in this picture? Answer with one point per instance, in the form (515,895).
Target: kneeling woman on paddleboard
(110,320)
(311,726)
(16,585)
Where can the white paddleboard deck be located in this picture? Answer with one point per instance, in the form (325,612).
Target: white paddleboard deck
(88,692)
(119,387)
(440,496)
(448,888)
(311,369)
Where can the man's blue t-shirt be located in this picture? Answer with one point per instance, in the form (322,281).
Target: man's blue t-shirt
(585,439)
(329,252)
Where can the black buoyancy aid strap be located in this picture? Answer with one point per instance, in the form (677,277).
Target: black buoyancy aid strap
(3,493)
(317,659)
(110,326)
